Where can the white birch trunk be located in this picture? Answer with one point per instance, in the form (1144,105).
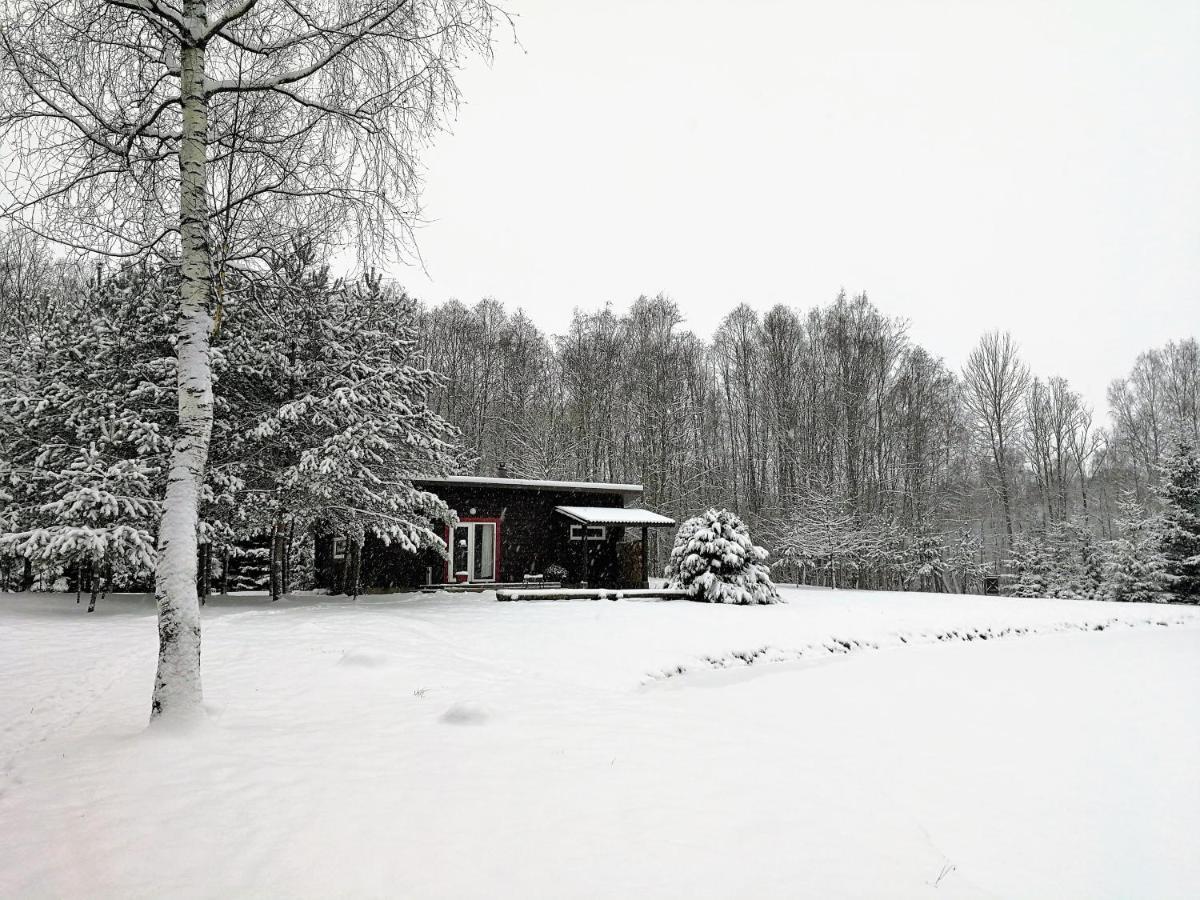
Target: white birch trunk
(177,693)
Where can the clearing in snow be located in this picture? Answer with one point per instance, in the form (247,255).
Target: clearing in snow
(843,744)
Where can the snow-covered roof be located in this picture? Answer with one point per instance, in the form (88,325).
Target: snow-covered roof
(613,515)
(592,486)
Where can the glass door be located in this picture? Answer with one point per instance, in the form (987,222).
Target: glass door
(483,551)
(474,551)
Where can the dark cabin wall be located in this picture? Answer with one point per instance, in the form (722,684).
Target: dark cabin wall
(532,537)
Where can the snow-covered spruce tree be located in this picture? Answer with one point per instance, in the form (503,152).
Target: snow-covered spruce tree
(1077,562)
(715,561)
(85,417)
(1133,562)
(963,553)
(1058,561)
(1181,522)
(926,563)
(1029,559)
(100,379)
(101,513)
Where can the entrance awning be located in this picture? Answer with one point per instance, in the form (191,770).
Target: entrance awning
(614,515)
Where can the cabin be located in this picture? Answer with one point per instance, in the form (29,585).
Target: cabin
(511,530)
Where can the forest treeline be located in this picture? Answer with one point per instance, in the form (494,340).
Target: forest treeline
(856,456)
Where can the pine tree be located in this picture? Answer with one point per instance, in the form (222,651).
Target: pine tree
(715,561)
(100,511)
(329,396)
(86,423)
(1134,566)
(925,563)
(1029,558)
(963,557)
(1060,561)
(1181,522)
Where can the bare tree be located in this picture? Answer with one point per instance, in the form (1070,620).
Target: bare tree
(1158,401)
(207,133)
(994,385)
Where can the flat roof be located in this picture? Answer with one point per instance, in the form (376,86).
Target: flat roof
(614,515)
(597,487)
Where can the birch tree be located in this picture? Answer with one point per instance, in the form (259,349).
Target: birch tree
(995,382)
(205,133)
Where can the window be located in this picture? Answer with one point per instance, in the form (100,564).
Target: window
(594,532)
(339,548)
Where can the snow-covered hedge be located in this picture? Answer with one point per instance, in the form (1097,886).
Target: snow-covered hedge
(715,561)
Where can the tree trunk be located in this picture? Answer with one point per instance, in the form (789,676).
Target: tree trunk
(1001,458)
(93,585)
(177,689)
(277,538)
(287,557)
(355,569)
(79,579)
(27,575)
(225,570)
(204,588)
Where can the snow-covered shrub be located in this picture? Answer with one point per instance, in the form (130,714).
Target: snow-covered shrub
(715,561)
(555,572)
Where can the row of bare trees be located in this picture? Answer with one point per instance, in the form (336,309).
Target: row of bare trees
(1157,402)
(780,410)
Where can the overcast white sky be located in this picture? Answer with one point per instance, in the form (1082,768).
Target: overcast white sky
(1033,166)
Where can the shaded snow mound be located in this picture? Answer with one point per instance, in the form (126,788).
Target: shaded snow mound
(466,713)
(364,659)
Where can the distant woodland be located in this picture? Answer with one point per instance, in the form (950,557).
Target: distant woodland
(855,456)
(827,429)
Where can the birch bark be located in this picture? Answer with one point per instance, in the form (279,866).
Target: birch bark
(177,688)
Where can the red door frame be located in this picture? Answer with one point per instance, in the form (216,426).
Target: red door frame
(466,520)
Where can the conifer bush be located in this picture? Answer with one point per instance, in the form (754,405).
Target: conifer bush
(715,561)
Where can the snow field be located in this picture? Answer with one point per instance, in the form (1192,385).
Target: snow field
(451,746)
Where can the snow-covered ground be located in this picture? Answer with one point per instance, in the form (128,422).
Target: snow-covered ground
(842,745)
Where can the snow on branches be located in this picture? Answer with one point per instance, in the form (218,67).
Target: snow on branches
(1181,522)
(818,540)
(84,427)
(329,398)
(320,420)
(716,562)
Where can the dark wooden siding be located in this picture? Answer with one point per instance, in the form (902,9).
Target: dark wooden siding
(532,537)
